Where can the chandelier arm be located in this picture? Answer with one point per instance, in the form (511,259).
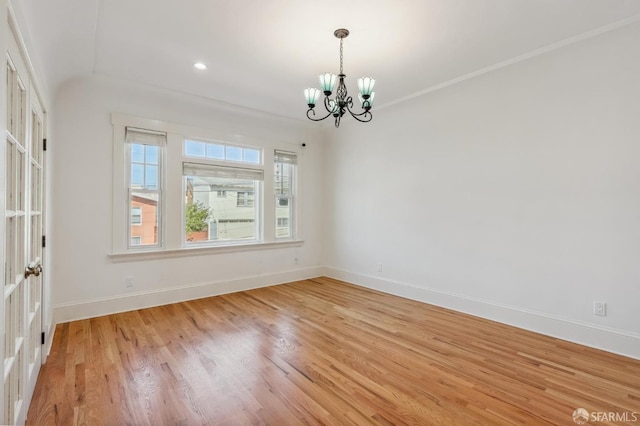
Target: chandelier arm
(314,113)
(348,102)
(327,104)
(363,113)
(366,115)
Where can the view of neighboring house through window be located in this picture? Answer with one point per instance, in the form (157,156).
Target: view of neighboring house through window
(284,185)
(222,185)
(145,179)
(136,215)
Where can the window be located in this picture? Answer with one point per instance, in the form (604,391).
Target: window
(173,193)
(284,186)
(144,153)
(245,199)
(221,151)
(136,216)
(222,202)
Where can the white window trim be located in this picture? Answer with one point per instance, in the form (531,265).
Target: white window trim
(173,244)
(202,250)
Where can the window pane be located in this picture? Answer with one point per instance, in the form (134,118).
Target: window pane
(151,177)
(283,218)
(194,149)
(251,156)
(212,212)
(233,153)
(152,154)
(146,231)
(215,151)
(145,180)
(137,153)
(137,175)
(283,181)
(283,173)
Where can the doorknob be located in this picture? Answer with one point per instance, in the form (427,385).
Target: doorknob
(33,269)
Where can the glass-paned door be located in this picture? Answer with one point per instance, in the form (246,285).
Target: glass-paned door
(23,216)
(35,232)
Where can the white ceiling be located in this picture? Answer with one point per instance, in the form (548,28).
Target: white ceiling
(262,53)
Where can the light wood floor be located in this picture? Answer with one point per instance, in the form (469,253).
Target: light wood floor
(320,352)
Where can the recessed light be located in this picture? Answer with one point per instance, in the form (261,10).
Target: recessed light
(200,66)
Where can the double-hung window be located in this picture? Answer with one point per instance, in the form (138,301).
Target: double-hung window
(223,187)
(284,187)
(144,152)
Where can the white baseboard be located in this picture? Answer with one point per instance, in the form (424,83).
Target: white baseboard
(147,299)
(608,339)
(48,334)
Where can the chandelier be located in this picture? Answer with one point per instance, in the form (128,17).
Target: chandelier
(342,102)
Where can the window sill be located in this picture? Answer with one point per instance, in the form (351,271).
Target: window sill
(133,256)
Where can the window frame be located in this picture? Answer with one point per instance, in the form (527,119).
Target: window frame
(245,200)
(161,184)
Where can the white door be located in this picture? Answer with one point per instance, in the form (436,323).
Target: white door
(35,232)
(23,233)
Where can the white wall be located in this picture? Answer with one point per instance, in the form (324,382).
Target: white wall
(86,280)
(514,195)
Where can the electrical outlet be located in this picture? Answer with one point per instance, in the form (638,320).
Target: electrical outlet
(600,308)
(128,281)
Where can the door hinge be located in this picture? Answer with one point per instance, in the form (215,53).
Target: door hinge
(42,338)
(44,144)
(44,241)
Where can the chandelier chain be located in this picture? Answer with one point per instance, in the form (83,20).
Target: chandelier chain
(341,39)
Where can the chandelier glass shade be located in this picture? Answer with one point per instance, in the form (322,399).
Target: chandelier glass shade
(341,103)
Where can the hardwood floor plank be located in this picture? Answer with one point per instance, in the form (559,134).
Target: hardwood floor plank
(320,351)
